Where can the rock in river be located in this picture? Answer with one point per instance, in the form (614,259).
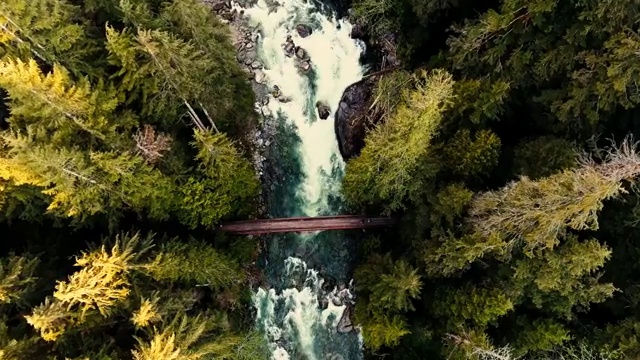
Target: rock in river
(302,54)
(324,111)
(303,30)
(304,66)
(345,324)
(289,49)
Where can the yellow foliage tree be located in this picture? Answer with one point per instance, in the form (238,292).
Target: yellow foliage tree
(147,314)
(47,104)
(185,338)
(51,319)
(100,285)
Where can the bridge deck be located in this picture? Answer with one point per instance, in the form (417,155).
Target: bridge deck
(305,224)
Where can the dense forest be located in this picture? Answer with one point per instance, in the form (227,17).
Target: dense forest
(119,149)
(505,143)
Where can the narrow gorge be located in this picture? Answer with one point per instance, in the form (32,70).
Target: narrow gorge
(300,58)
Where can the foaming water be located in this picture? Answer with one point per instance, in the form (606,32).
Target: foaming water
(335,65)
(300,314)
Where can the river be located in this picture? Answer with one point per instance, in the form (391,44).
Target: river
(308,274)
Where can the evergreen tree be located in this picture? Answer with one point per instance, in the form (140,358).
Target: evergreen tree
(147,314)
(538,335)
(395,290)
(48,30)
(471,306)
(471,157)
(567,277)
(575,55)
(452,254)
(381,330)
(54,107)
(390,288)
(227,96)
(184,338)
(16,277)
(196,263)
(623,337)
(226,185)
(83,185)
(17,348)
(99,286)
(383,172)
(538,212)
(544,156)
(68,144)
(165,70)
(474,345)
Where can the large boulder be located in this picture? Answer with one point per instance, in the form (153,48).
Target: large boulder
(350,117)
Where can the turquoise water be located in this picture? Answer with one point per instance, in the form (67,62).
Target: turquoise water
(309,274)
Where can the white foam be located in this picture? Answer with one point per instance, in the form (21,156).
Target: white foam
(335,61)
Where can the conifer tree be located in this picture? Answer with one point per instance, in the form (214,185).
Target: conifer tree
(451,254)
(471,305)
(577,57)
(191,19)
(197,263)
(167,71)
(472,157)
(47,30)
(16,277)
(83,185)
(51,319)
(388,288)
(395,289)
(54,107)
(623,337)
(380,329)
(228,183)
(386,169)
(227,98)
(539,212)
(147,314)
(12,348)
(538,335)
(100,284)
(544,156)
(474,345)
(449,204)
(184,338)
(566,277)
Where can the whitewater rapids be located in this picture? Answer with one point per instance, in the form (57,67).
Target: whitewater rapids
(295,323)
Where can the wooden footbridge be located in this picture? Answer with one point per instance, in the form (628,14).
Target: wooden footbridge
(305,224)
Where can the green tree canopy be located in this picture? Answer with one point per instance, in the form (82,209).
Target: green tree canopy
(383,173)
